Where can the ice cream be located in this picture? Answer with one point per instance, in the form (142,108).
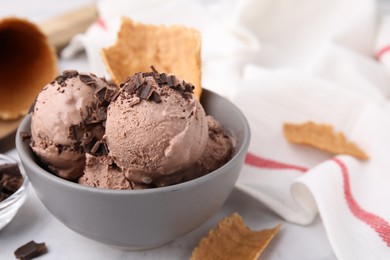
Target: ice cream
(218,151)
(60,106)
(150,132)
(155,128)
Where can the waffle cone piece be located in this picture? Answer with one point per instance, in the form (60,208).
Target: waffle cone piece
(175,49)
(232,240)
(27,63)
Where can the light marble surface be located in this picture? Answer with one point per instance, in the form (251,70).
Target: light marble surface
(34,222)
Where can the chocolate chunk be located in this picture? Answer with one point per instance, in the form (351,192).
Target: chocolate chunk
(30,250)
(114,95)
(10,180)
(172,81)
(147,74)
(89,142)
(75,132)
(101,114)
(145,91)
(95,147)
(154,71)
(130,87)
(60,80)
(188,87)
(99,148)
(155,74)
(155,97)
(163,78)
(10,169)
(139,80)
(87,79)
(108,94)
(100,94)
(70,73)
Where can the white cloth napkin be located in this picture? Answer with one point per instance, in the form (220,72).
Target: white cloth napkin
(382,46)
(293,61)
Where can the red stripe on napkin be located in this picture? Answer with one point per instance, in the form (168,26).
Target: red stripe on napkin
(381,226)
(102,23)
(257,161)
(382,51)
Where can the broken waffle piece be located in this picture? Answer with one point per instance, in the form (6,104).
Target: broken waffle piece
(323,137)
(174,49)
(232,239)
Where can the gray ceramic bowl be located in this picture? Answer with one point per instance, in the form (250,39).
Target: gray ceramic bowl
(141,219)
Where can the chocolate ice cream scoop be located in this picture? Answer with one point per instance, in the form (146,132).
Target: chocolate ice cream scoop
(155,128)
(59,122)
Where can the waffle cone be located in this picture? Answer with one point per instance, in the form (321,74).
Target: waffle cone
(174,49)
(27,64)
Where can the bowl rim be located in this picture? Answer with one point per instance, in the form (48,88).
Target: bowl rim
(17,194)
(246,134)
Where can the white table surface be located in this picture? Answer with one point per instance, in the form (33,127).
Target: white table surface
(34,222)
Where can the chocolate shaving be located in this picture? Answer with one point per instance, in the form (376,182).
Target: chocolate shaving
(154,71)
(88,143)
(172,81)
(66,74)
(108,94)
(114,95)
(147,74)
(95,147)
(163,78)
(155,97)
(101,114)
(145,91)
(100,94)
(99,148)
(188,87)
(89,132)
(70,73)
(87,79)
(75,132)
(30,250)
(60,80)
(130,88)
(139,86)
(139,80)
(156,75)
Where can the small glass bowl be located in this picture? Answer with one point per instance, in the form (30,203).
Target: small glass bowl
(10,206)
